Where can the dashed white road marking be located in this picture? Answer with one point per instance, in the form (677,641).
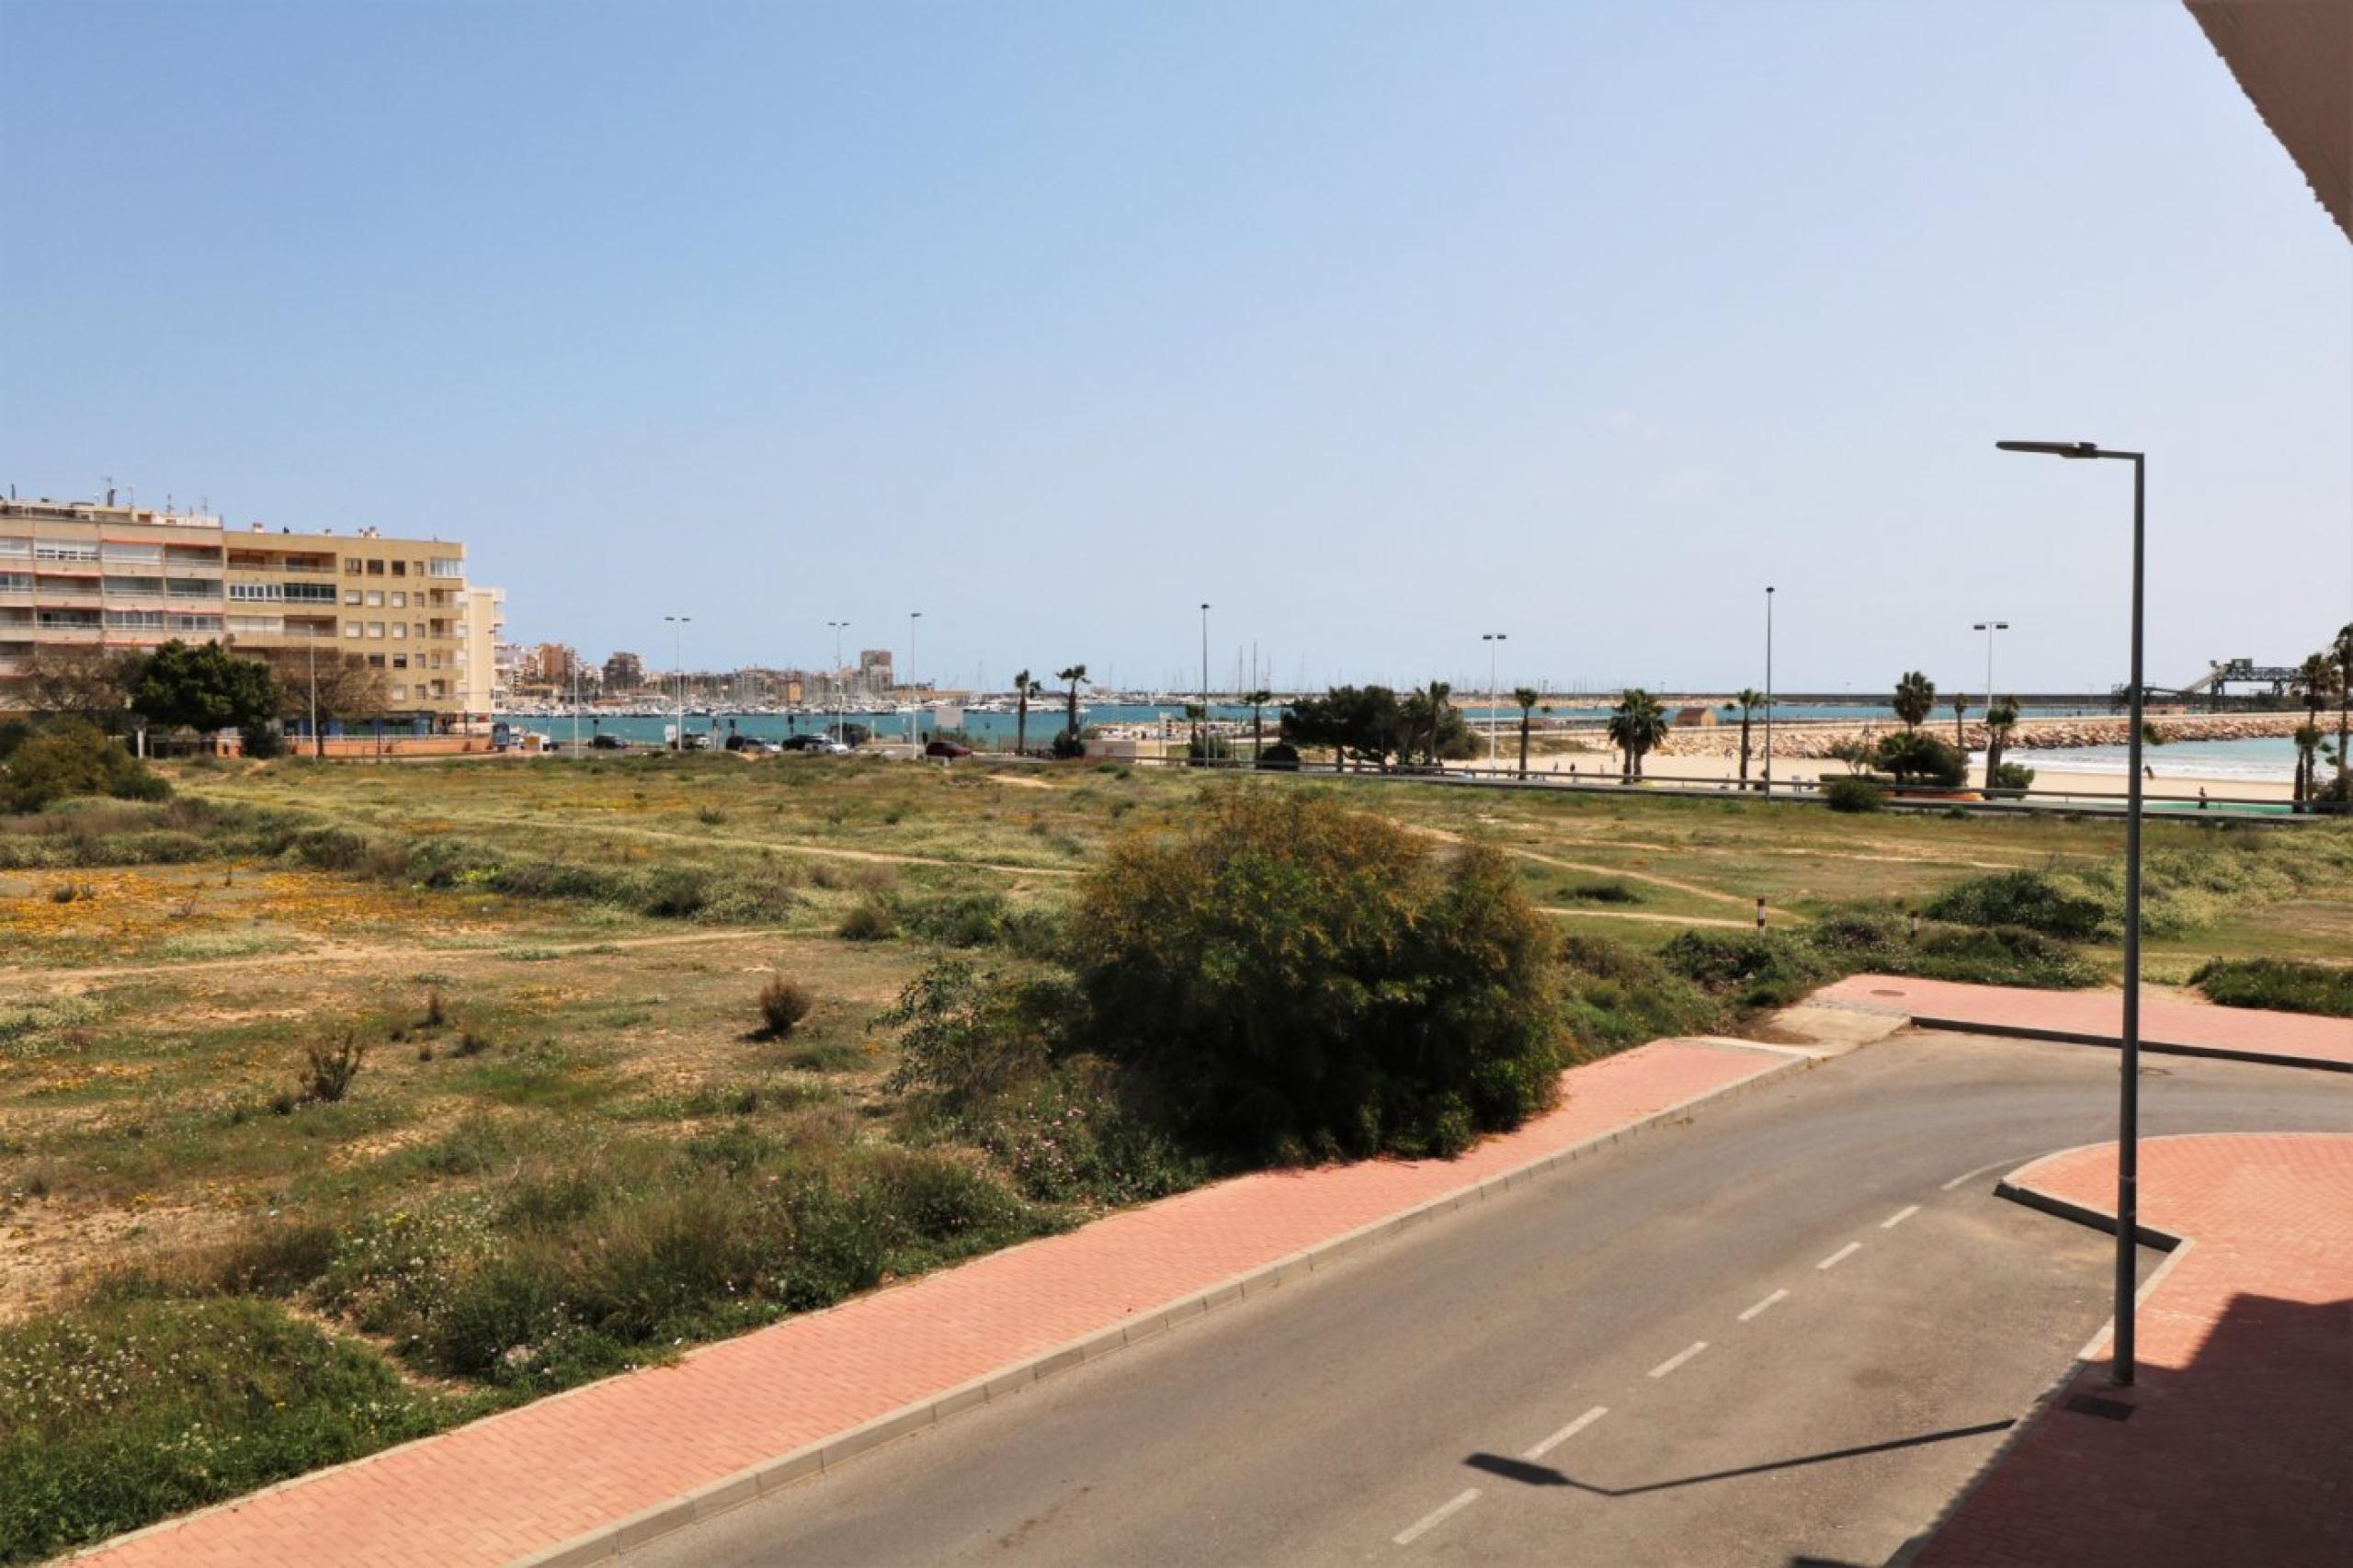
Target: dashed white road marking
(1898,1217)
(1678,1358)
(1436,1517)
(1841,1256)
(1565,1433)
(1763,1305)
(1979,1171)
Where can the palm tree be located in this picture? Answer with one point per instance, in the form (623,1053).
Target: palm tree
(1074,675)
(2000,721)
(2316,682)
(1637,725)
(1257,702)
(1749,702)
(1527,696)
(1023,688)
(1916,699)
(2308,738)
(1438,693)
(1960,736)
(2340,654)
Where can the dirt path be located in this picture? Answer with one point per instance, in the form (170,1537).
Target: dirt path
(340,953)
(1691,888)
(1583,913)
(790,846)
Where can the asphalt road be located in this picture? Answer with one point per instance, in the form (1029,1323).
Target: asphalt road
(1785,1332)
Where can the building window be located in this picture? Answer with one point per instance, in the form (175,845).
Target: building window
(375,629)
(399,661)
(375,598)
(400,601)
(375,568)
(400,629)
(131,554)
(400,568)
(352,565)
(352,629)
(447,566)
(53,550)
(309,593)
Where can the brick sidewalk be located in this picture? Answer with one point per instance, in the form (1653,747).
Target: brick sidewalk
(2238,1448)
(531,1479)
(2193,1028)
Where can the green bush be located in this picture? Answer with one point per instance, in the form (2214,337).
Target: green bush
(2287,985)
(2012,777)
(1615,998)
(783,1004)
(1305,981)
(2032,899)
(1915,755)
(871,919)
(963,1032)
(73,757)
(1282,756)
(1759,968)
(1853,793)
(959,920)
(116,1415)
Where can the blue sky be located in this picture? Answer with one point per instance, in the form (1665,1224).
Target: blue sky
(1378,326)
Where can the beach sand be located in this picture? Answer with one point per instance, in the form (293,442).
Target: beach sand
(1705,771)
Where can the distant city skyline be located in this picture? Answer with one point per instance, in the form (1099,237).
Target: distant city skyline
(1377,327)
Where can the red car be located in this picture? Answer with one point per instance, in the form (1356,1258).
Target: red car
(949,749)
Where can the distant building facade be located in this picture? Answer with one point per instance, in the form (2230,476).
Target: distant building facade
(623,672)
(94,575)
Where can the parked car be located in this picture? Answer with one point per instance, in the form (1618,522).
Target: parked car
(607,743)
(948,749)
(807,742)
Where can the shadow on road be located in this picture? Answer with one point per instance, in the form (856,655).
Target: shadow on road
(1545,1475)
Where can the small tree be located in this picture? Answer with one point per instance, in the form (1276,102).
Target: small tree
(1916,699)
(205,688)
(1075,674)
(2001,721)
(1257,701)
(1748,701)
(1913,756)
(1637,726)
(90,684)
(1023,688)
(1527,696)
(1960,736)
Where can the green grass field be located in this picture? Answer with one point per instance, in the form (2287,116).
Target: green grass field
(552,968)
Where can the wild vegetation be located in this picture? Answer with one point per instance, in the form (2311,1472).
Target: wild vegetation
(454,1082)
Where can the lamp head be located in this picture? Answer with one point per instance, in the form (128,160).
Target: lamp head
(2053,448)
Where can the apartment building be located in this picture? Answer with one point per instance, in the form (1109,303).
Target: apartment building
(87,573)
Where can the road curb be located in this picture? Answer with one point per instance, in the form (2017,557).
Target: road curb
(2156,1046)
(605,1542)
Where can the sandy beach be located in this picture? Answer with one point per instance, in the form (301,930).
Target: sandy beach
(1715,769)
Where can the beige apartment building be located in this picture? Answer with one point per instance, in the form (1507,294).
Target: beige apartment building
(86,574)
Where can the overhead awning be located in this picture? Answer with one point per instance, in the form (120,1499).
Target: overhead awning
(2294,59)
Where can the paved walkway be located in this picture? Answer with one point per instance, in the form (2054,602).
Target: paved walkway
(580,1464)
(2194,1028)
(2237,1447)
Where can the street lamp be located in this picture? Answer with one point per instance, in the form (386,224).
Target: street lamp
(1989,628)
(2128,1142)
(1768,689)
(1201,730)
(915,724)
(1490,639)
(841,690)
(678,665)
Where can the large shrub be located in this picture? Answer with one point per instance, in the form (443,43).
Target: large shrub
(1853,793)
(1758,969)
(2030,899)
(73,757)
(1306,981)
(2285,984)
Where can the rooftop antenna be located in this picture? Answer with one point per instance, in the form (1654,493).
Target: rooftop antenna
(109,490)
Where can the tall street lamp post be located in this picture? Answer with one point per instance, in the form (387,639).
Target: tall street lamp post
(678,664)
(841,690)
(1768,689)
(1989,628)
(2128,1139)
(914,722)
(1201,733)
(1490,639)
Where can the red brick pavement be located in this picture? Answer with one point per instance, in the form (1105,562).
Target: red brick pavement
(2240,1446)
(530,1479)
(2196,1026)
